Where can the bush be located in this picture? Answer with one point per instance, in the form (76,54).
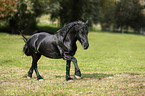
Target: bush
(22,14)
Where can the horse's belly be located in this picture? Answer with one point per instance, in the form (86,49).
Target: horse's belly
(51,54)
(50,51)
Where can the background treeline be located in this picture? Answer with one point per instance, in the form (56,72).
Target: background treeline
(112,15)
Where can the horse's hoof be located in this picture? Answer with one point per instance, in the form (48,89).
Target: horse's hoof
(69,79)
(40,80)
(28,77)
(77,77)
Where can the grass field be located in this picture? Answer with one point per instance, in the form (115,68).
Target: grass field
(114,64)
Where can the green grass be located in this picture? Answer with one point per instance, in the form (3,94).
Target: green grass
(114,64)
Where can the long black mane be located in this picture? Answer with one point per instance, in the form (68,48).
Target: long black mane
(64,31)
(69,26)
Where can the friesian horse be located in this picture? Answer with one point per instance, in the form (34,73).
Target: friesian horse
(59,45)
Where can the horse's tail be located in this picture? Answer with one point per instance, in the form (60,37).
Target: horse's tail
(24,38)
(26,48)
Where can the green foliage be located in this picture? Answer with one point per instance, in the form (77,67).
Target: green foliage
(129,13)
(68,10)
(117,14)
(113,65)
(73,10)
(106,14)
(24,17)
(7,8)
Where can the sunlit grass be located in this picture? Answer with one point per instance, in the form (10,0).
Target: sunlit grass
(114,64)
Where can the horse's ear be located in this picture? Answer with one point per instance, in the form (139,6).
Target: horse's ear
(87,22)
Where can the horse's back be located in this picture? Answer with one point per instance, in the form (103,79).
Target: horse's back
(34,41)
(35,36)
(45,44)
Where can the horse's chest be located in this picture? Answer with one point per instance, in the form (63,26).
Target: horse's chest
(72,50)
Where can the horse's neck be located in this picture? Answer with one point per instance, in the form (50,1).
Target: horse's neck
(71,37)
(67,35)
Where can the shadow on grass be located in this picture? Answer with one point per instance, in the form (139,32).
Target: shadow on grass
(98,76)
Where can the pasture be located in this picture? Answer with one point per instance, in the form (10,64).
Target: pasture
(114,64)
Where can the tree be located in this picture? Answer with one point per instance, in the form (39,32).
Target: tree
(68,10)
(22,14)
(106,17)
(23,19)
(93,10)
(7,8)
(128,13)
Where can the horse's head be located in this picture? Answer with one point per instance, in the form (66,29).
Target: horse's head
(83,35)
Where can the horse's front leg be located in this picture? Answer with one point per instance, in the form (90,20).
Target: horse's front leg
(74,60)
(68,62)
(77,70)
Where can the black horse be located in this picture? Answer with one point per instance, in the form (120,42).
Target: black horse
(59,45)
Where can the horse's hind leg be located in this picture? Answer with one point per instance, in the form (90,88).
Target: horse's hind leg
(30,72)
(36,57)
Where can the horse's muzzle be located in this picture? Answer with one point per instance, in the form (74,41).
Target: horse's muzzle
(86,46)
